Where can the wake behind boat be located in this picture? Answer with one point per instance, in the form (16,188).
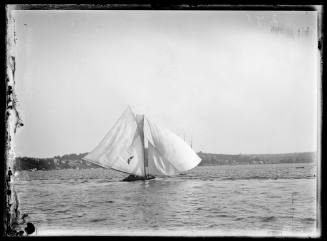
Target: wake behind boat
(137,146)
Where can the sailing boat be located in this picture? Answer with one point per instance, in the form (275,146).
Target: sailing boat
(137,146)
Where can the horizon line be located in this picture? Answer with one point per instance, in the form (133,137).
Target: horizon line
(235,154)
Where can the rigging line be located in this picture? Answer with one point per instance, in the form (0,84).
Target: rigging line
(122,171)
(93,162)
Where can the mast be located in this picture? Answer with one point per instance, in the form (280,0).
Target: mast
(141,131)
(145,160)
(145,142)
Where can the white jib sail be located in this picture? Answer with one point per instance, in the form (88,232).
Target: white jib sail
(122,147)
(168,154)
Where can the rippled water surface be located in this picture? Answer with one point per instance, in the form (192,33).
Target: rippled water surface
(267,199)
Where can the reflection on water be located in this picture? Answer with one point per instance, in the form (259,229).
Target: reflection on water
(240,199)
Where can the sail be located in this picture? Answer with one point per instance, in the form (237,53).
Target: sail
(168,154)
(122,147)
(157,164)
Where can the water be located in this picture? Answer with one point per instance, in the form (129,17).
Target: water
(265,200)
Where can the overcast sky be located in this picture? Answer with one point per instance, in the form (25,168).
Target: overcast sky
(226,79)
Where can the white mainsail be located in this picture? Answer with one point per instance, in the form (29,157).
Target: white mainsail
(137,146)
(121,148)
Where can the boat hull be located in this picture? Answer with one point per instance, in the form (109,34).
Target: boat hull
(132,178)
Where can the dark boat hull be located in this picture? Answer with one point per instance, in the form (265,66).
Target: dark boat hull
(132,178)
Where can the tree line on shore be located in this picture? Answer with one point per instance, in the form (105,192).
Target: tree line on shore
(228,159)
(75,161)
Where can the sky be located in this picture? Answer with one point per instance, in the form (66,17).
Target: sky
(232,81)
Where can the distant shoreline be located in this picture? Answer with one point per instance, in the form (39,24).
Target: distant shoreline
(74,161)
